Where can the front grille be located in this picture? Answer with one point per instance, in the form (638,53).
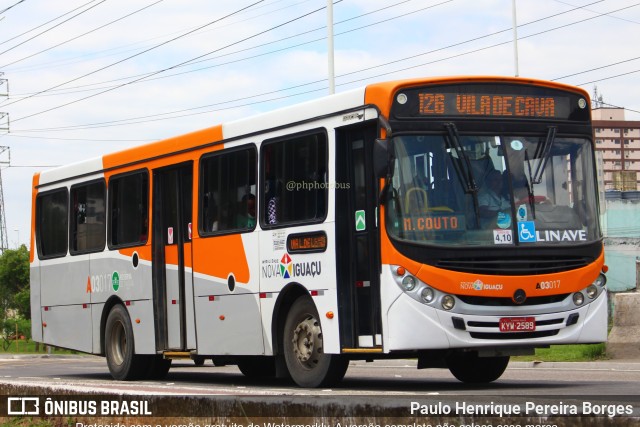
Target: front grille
(495,324)
(517,267)
(508,302)
(512,335)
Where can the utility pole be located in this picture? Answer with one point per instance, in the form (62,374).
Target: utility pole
(5,160)
(515,37)
(4,241)
(4,93)
(332,79)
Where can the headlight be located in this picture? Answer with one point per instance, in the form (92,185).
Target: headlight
(448,302)
(578,298)
(409,283)
(601,280)
(427,295)
(592,291)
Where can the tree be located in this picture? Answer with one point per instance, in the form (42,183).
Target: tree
(14,282)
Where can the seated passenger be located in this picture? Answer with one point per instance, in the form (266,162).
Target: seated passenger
(247,215)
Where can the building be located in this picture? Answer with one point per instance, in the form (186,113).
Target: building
(618,141)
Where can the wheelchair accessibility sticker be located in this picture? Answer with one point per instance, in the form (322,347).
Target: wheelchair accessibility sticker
(526,231)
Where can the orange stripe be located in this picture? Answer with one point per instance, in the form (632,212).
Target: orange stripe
(164,147)
(221,256)
(34,194)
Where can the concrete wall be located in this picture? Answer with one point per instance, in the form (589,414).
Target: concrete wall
(621,227)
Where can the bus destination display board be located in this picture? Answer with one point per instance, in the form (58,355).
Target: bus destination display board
(489,101)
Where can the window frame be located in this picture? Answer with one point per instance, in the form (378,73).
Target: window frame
(262,207)
(69,219)
(110,199)
(39,197)
(201,185)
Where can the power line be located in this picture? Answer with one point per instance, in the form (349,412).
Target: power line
(67,61)
(12,6)
(597,68)
(132,56)
(83,34)
(316,40)
(82,139)
(170,68)
(112,123)
(71,89)
(48,22)
(49,29)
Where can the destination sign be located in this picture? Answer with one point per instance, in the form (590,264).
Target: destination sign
(307,242)
(490,101)
(487,105)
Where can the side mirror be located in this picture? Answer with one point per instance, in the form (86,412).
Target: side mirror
(382,157)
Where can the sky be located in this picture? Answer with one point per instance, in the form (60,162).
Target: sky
(87,77)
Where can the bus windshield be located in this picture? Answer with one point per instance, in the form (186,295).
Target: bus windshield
(459,190)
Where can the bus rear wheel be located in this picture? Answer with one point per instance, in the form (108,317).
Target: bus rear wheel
(468,367)
(307,363)
(123,363)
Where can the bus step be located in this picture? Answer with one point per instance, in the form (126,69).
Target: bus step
(362,350)
(177,355)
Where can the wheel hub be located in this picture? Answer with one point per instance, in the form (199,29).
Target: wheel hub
(307,341)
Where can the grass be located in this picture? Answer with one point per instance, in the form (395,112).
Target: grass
(28,347)
(567,353)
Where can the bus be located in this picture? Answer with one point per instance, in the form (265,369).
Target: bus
(452,220)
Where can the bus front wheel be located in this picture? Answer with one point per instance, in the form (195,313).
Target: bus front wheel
(123,363)
(468,367)
(307,363)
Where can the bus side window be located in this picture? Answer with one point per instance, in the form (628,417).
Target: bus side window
(294,174)
(227,198)
(128,209)
(52,221)
(87,217)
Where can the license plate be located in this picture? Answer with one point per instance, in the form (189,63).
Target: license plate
(517,324)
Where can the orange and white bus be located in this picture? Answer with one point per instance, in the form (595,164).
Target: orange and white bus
(453,220)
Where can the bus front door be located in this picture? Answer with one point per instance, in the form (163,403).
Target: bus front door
(172,258)
(357,253)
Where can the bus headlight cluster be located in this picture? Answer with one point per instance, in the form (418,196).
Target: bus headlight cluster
(420,291)
(590,292)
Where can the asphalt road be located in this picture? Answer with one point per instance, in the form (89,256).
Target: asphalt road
(388,377)
(373,394)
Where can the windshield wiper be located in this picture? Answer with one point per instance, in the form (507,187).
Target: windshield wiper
(462,166)
(532,204)
(462,163)
(542,152)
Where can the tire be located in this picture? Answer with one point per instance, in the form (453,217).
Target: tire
(305,359)
(158,367)
(119,347)
(469,368)
(198,360)
(258,367)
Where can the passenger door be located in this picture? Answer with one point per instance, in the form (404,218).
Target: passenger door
(357,253)
(172,258)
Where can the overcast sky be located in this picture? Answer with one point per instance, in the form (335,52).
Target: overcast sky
(90,77)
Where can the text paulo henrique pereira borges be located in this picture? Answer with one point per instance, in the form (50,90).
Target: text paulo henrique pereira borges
(527,408)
